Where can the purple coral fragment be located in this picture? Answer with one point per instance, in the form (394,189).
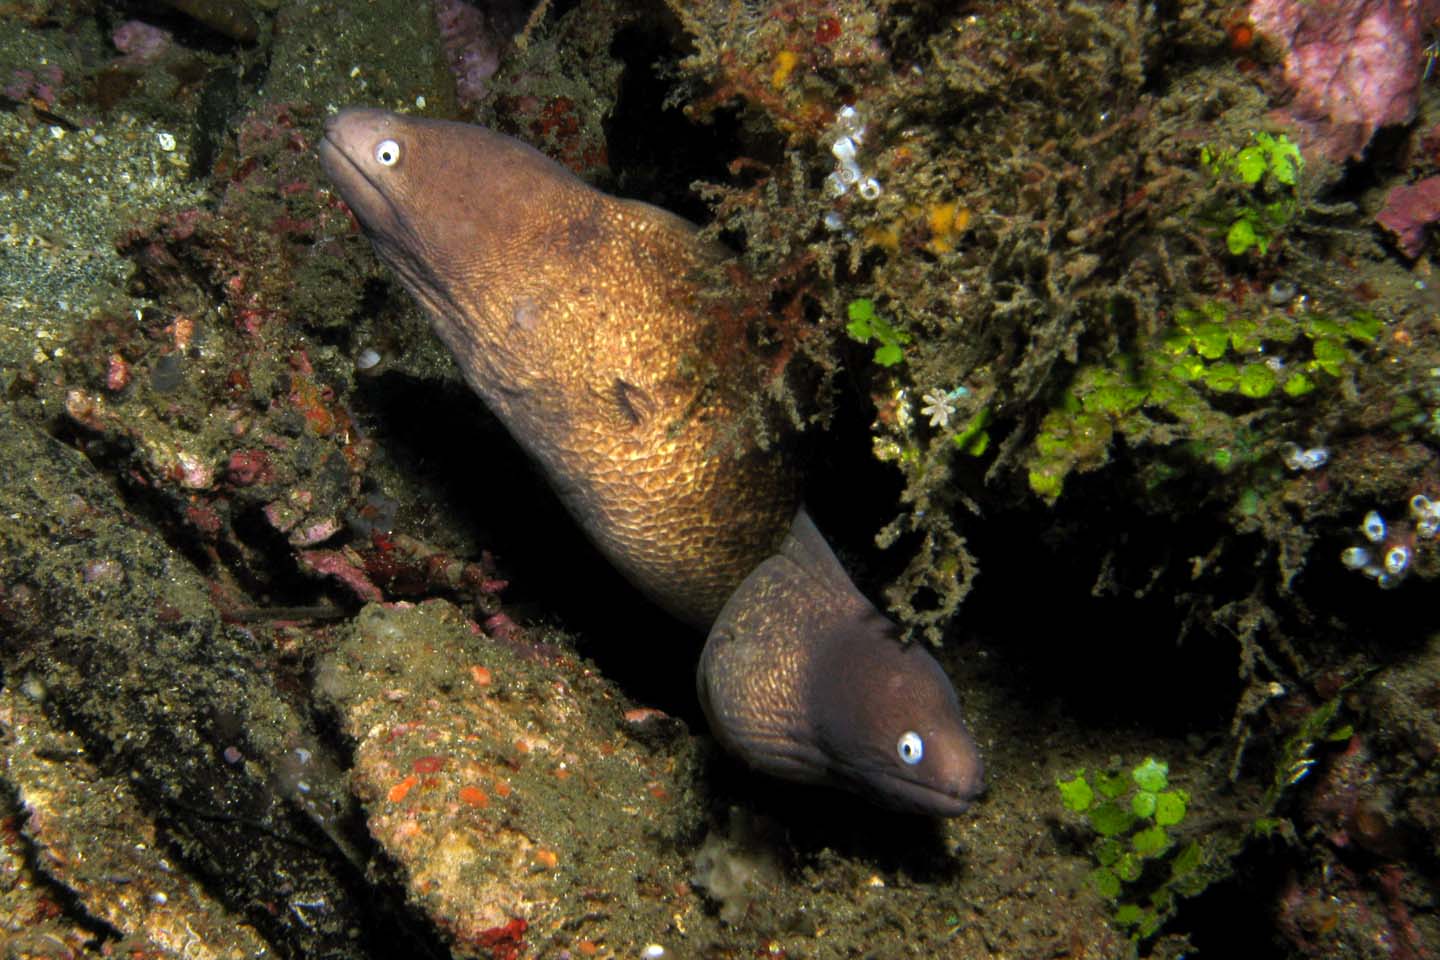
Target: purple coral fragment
(1407,210)
(140,42)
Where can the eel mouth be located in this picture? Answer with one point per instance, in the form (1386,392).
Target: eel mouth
(913,796)
(361,193)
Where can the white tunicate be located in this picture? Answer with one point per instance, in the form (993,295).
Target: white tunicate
(870,188)
(847,120)
(844,149)
(1373,526)
(367,360)
(653,951)
(1396,560)
(1428,527)
(1355,557)
(849,173)
(166,140)
(833,221)
(1421,506)
(835,187)
(1297,459)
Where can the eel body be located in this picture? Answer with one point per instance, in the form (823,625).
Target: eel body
(573,315)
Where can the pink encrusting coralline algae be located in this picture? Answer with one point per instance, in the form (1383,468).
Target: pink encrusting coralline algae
(1354,65)
(472,48)
(1408,209)
(39,84)
(140,42)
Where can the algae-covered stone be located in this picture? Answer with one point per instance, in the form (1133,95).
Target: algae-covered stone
(115,633)
(91,835)
(505,784)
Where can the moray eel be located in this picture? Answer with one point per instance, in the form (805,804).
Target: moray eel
(573,315)
(806,680)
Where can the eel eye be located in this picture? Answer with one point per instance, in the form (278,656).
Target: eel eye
(387,153)
(910,747)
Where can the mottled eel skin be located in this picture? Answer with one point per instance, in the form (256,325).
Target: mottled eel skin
(572,315)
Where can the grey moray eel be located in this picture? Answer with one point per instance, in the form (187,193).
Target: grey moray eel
(573,314)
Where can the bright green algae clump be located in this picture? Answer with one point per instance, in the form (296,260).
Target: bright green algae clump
(1139,865)
(1201,382)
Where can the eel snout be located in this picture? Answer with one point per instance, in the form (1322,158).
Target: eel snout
(804,679)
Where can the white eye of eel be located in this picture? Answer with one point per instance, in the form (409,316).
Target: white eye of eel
(387,153)
(910,747)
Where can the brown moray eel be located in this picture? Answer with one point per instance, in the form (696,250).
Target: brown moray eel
(840,698)
(572,314)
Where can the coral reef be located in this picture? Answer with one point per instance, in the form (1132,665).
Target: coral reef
(1129,307)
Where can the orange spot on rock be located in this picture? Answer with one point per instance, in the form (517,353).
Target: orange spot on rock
(785,63)
(502,789)
(398,792)
(658,792)
(1242,35)
(481,675)
(546,858)
(473,796)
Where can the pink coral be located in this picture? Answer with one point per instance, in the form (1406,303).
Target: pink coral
(472,48)
(344,567)
(139,41)
(1407,210)
(1353,65)
(38,84)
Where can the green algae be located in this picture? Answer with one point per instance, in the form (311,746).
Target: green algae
(866,325)
(1267,172)
(1171,389)
(1138,820)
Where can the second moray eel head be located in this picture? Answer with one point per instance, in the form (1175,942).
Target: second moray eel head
(804,679)
(573,314)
